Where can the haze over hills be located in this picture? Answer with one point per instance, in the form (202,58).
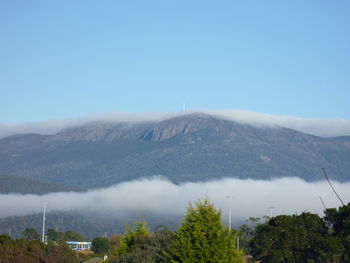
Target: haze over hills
(192,147)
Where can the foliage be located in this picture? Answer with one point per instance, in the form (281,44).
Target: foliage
(61,237)
(132,236)
(295,238)
(247,232)
(32,251)
(30,234)
(115,240)
(203,238)
(72,235)
(138,245)
(60,253)
(56,236)
(339,220)
(100,245)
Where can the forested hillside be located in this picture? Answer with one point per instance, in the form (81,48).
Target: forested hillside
(88,224)
(193,147)
(19,185)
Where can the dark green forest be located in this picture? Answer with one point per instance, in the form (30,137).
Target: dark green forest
(10,184)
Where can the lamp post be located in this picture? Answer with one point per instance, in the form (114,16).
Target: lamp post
(43,235)
(230,213)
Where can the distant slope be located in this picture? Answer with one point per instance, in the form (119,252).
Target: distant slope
(20,185)
(88,224)
(193,147)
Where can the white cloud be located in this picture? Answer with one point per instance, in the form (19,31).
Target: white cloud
(161,197)
(54,126)
(318,127)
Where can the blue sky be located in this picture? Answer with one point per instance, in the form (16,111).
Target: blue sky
(62,59)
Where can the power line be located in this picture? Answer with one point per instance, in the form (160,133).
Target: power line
(325,174)
(325,208)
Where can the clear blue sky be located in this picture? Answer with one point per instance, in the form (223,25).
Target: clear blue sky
(69,58)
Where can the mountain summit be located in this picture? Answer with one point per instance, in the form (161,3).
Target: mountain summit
(194,147)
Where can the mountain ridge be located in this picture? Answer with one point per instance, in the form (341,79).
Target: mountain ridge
(323,127)
(194,147)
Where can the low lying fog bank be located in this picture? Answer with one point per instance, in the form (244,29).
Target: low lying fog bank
(161,197)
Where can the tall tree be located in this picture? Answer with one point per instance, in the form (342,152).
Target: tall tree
(133,235)
(202,237)
(100,245)
(56,236)
(141,246)
(294,239)
(339,220)
(30,234)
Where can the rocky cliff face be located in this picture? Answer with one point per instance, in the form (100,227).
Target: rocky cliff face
(181,125)
(193,147)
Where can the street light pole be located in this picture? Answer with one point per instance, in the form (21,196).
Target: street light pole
(230,214)
(43,235)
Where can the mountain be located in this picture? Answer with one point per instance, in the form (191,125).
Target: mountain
(194,147)
(19,185)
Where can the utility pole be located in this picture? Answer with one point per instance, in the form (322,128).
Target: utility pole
(44,214)
(271,208)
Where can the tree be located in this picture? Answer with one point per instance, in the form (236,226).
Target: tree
(32,251)
(100,245)
(247,232)
(72,235)
(132,236)
(141,246)
(30,234)
(60,253)
(295,238)
(339,220)
(56,236)
(202,237)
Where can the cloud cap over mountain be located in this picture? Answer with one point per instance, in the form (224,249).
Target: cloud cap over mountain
(317,127)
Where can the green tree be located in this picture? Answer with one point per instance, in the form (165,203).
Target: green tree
(30,234)
(4,239)
(247,232)
(295,239)
(138,245)
(56,236)
(100,245)
(339,220)
(71,235)
(202,237)
(132,236)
